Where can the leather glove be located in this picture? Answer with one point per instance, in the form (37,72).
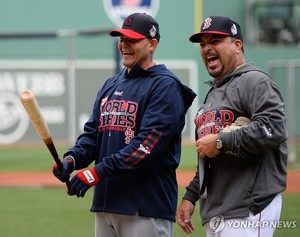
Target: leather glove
(63,173)
(83,180)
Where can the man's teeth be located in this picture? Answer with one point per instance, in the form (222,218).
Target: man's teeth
(211,59)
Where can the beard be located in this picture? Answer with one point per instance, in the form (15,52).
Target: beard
(216,73)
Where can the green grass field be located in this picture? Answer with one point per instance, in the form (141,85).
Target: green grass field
(51,212)
(39,159)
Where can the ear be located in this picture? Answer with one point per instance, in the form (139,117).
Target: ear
(238,45)
(153,44)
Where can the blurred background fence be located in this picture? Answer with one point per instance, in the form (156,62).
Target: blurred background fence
(65,88)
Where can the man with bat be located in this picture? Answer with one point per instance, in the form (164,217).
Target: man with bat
(133,137)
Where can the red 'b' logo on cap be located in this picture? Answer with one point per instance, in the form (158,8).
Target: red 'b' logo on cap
(207,23)
(128,21)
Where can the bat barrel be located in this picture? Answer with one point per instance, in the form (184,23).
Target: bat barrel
(33,110)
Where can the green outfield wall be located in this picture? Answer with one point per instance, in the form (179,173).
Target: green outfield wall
(81,62)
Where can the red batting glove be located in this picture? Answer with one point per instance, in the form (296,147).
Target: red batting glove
(83,180)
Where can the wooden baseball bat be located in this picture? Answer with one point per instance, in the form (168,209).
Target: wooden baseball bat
(33,110)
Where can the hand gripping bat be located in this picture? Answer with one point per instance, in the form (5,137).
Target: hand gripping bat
(33,110)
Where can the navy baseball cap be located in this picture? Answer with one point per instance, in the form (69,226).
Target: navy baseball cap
(219,25)
(138,26)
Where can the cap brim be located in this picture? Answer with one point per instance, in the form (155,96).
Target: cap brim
(128,33)
(195,38)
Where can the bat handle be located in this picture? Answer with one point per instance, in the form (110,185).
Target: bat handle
(68,184)
(55,156)
(69,191)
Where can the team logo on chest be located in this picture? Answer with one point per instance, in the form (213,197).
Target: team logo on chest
(212,122)
(118,115)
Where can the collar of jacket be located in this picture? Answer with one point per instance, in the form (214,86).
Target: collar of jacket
(136,72)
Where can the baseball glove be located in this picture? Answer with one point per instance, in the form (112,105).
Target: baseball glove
(239,122)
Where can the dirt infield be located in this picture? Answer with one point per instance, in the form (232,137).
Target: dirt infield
(42,179)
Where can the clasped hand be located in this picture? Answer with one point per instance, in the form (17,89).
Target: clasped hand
(81,182)
(206,146)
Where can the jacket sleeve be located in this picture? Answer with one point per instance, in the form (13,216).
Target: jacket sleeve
(267,128)
(192,190)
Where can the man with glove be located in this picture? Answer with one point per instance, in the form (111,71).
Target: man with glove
(240,140)
(134,138)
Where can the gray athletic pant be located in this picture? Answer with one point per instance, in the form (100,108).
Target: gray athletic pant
(116,225)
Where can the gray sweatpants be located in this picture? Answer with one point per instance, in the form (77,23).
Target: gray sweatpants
(116,225)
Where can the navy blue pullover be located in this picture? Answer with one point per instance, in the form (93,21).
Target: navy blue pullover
(134,137)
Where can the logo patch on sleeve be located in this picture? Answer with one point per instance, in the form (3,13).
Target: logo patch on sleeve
(89,176)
